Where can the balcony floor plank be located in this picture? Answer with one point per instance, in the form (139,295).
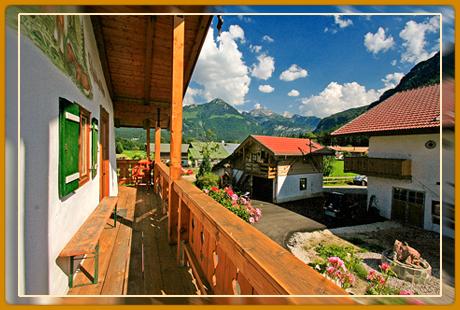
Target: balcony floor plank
(135,257)
(161,273)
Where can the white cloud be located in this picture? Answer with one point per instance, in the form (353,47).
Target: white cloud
(245,18)
(413,35)
(293,93)
(267,38)
(336,98)
(331,30)
(266,89)
(264,69)
(391,80)
(379,41)
(236,32)
(255,48)
(190,95)
(221,70)
(293,73)
(343,23)
(258,106)
(287,114)
(394,62)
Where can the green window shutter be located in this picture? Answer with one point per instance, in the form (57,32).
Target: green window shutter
(94,145)
(69,134)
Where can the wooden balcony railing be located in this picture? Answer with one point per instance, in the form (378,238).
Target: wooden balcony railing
(383,167)
(261,169)
(229,256)
(124,170)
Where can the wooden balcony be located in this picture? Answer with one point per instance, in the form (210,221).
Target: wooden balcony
(228,256)
(381,167)
(261,169)
(136,257)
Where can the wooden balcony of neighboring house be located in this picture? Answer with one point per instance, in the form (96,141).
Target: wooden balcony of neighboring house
(264,170)
(380,167)
(172,238)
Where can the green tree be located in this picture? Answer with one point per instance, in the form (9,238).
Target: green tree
(119,148)
(207,149)
(328,165)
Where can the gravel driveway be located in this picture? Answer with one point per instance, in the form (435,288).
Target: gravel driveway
(374,238)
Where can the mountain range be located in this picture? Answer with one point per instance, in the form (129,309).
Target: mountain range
(218,120)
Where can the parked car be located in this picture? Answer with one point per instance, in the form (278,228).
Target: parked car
(360,180)
(338,206)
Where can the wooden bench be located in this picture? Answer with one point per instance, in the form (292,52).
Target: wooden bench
(86,239)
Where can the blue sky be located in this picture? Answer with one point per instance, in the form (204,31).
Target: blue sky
(311,65)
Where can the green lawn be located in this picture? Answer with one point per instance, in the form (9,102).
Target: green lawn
(337,170)
(129,154)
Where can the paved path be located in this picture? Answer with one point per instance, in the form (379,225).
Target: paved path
(278,223)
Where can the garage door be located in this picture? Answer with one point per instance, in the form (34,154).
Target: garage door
(408,206)
(262,189)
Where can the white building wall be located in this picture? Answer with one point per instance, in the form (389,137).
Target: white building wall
(425,171)
(448,178)
(287,188)
(49,222)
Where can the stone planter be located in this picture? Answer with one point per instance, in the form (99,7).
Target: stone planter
(406,272)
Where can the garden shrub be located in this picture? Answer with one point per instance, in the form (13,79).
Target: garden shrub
(207,180)
(347,254)
(239,205)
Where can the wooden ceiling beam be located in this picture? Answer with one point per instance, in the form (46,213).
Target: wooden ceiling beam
(156,103)
(97,29)
(149,39)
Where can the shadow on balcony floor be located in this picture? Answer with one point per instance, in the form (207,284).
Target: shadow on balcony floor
(135,257)
(153,269)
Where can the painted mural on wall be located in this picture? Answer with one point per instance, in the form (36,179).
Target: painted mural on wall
(62,39)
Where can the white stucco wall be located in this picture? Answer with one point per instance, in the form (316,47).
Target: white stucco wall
(425,171)
(287,188)
(448,177)
(49,222)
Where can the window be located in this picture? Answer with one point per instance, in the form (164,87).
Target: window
(435,212)
(84,146)
(408,196)
(303,184)
(77,157)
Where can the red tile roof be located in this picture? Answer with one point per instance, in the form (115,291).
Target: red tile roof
(288,146)
(408,110)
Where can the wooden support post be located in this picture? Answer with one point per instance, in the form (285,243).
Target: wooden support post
(157,155)
(147,149)
(182,229)
(177,68)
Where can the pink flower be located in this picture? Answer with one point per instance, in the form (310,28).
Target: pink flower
(384,267)
(243,201)
(351,279)
(252,220)
(382,280)
(406,292)
(206,191)
(371,275)
(330,269)
(333,259)
(234,197)
(229,191)
(258,212)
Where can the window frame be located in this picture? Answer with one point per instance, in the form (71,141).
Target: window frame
(300,184)
(435,212)
(86,131)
